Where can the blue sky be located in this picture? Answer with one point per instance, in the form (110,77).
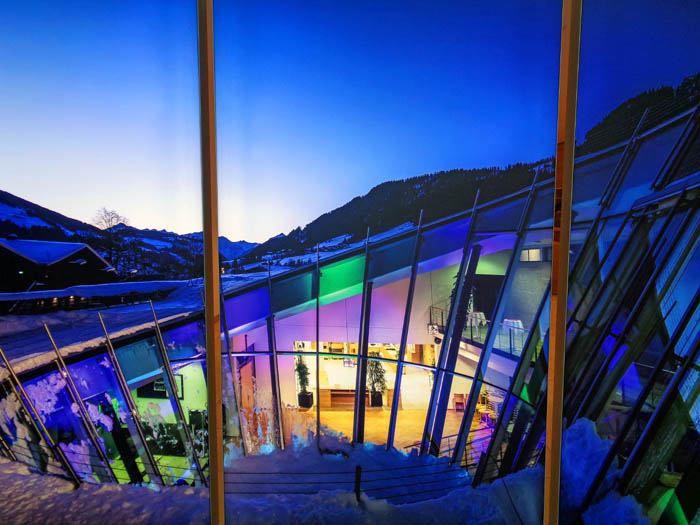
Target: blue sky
(317,101)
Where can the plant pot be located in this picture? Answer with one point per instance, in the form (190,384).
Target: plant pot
(306,399)
(375,399)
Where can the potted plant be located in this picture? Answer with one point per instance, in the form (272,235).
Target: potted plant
(306,398)
(377,383)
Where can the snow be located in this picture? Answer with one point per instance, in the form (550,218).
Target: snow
(42,252)
(161,245)
(96,290)
(20,217)
(335,241)
(514,499)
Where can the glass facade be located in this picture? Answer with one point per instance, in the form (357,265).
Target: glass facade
(433,340)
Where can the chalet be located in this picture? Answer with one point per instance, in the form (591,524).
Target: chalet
(47,265)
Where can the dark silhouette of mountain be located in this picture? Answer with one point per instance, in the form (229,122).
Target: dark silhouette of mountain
(443,193)
(136,253)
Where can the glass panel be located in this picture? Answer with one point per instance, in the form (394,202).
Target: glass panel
(528,281)
(488,407)
(496,251)
(337,379)
(21,436)
(384,260)
(294,293)
(640,351)
(254,340)
(185,341)
(457,404)
(542,208)
(98,387)
(378,398)
(516,422)
(590,180)
(257,414)
(157,410)
(233,439)
(61,417)
(247,308)
(645,166)
(342,279)
(665,481)
(416,386)
(440,254)
(298,391)
(191,384)
(631,270)
(690,162)
(504,217)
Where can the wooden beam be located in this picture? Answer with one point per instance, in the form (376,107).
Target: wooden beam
(563,185)
(212,312)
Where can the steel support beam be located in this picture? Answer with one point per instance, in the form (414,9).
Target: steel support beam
(404,335)
(640,402)
(662,409)
(130,403)
(516,384)
(170,380)
(358,424)
(655,248)
(427,441)
(561,236)
(317,291)
(210,237)
(603,370)
(275,377)
(36,422)
(485,356)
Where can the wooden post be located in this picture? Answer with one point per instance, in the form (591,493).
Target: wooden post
(210,235)
(563,184)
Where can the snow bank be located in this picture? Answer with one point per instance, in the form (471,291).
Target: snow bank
(613,508)
(32,498)
(582,454)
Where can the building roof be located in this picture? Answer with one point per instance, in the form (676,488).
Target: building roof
(44,252)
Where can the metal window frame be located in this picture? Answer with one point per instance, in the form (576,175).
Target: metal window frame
(583,406)
(653,248)
(449,329)
(275,379)
(6,450)
(231,365)
(652,426)
(36,422)
(130,403)
(675,156)
(358,423)
(404,335)
(180,416)
(489,340)
(640,402)
(84,416)
(521,370)
(317,291)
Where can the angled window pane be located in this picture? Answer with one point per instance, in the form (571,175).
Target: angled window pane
(49,394)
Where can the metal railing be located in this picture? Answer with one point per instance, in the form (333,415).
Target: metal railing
(509,338)
(403,484)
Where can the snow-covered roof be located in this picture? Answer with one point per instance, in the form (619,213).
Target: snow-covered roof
(95,290)
(44,252)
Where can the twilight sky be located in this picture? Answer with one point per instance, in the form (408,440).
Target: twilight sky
(318,101)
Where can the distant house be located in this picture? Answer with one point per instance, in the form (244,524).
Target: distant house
(47,265)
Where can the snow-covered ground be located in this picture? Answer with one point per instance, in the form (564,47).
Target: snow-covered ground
(33,498)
